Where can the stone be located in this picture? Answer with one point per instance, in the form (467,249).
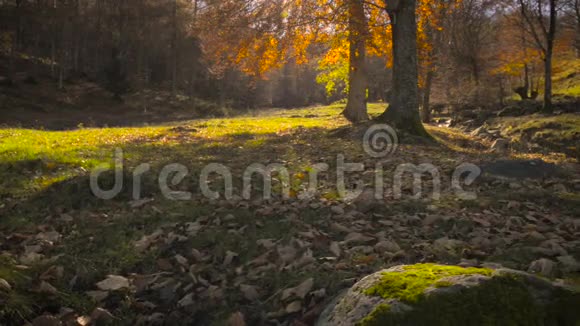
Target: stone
(387,246)
(544,267)
(430,294)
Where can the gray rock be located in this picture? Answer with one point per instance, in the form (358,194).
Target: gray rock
(455,296)
(544,267)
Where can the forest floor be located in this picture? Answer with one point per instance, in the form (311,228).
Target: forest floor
(69,256)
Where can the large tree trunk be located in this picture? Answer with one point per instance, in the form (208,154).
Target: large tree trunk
(356,106)
(403,112)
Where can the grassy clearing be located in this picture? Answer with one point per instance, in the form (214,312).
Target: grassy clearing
(560,133)
(32,160)
(46,175)
(567,77)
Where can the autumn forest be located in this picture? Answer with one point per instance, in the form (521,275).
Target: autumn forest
(289,162)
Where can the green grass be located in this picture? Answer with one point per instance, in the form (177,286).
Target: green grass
(567,77)
(557,133)
(44,174)
(32,160)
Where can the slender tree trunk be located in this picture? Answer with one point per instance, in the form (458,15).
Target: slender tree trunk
(548,82)
(577,41)
(426,107)
(526,91)
(356,106)
(174,51)
(403,112)
(548,59)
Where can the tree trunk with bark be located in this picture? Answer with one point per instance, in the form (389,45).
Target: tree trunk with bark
(356,106)
(403,111)
(426,106)
(551,35)
(174,51)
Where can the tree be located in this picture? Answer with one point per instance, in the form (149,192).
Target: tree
(403,111)
(542,28)
(356,106)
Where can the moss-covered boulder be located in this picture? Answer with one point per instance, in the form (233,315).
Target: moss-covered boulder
(429,294)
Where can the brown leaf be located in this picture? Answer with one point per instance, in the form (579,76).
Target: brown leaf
(357,238)
(304,288)
(335,249)
(250,292)
(113,283)
(294,307)
(101,316)
(237,319)
(299,291)
(339,228)
(230,255)
(53,273)
(47,288)
(4,285)
(287,254)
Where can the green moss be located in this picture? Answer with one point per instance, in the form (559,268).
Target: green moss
(410,284)
(380,310)
(502,300)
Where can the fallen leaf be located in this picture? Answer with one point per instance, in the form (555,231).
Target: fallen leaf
(299,291)
(182,260)
(287,254)
(113,283)
(50,236)
(335,249)
(47,288)
(237,319)
(357,238)
(250,292)
(266,243)
(230,255)
(186,301)
(101,316)
(4,285)
(294,307)
(304,288)
(97,296)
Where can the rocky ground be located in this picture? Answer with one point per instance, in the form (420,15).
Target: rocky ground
(73,260)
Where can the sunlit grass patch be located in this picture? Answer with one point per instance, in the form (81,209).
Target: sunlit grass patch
(32,160)
(562,128)
(567,77)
